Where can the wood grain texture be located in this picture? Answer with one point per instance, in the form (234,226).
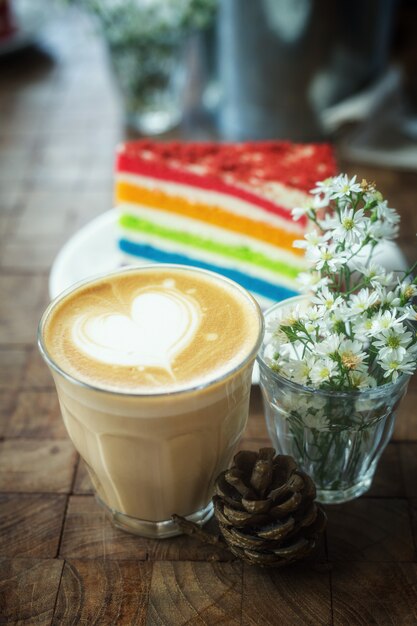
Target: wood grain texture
(36,415)
(14,165)
(24,298)
(8,398)
(370,593)
(4,223)
(36,232)
(406,422)
(388,480)
(95,201)
(299,594)
(253,444)
(37,465)
(12,366)
(195,593)
(370,529)
(99,592)
(413,514)
(409,468)
(8,201)
(30,525)
(28,590)
(28,255)
(37,374)
(256,427)
(89,534)
(82,483)
(184,548)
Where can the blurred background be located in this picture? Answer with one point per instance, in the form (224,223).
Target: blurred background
(77,76)
(233,69)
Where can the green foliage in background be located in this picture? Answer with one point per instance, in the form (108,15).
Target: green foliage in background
(123,21)
(145,38)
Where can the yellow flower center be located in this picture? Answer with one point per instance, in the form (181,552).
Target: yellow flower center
(348,223)
(393,342)
(350,360)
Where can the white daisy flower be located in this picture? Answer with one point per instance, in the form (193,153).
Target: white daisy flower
(299,212)
(360,379)
(330,345)
(319,422)
(362,327)
(342,186)
(323,187)
(292,350)
(382,230)
(351,226)
(375,273)
(362,301)
(269,353)
(387,298)
(329,222)
(408,289)
(351,354)
(301,369)
(323,370)
(386,214)
(395,367)
(314,320)
(385,320)
(410,312)
(313,314)
(285,316)
(326,256)
(393,343)
(326,300)
(312,239)
(308,210)
(301,403)
(312,281)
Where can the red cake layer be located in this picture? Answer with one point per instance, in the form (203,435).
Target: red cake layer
(231,168)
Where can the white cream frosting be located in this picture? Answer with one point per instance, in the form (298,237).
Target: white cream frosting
(161,324)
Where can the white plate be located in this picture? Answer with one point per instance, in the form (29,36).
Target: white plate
(93,250)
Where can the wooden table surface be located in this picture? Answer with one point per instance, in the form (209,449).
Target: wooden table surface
(61,561)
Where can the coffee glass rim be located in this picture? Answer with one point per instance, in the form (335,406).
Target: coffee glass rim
(125,270)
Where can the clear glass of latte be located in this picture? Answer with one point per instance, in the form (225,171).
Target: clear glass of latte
(153,369)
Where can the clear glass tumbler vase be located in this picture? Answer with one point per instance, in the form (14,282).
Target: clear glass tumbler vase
(336,437)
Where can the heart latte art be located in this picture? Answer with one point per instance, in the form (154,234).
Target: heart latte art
(159,327)
(152,330)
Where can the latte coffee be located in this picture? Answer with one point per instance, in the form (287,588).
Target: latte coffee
(153,371)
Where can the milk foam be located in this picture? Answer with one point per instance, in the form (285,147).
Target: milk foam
(152,330)
(161,324)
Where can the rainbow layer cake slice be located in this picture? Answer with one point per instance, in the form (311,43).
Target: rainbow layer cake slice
(222,207)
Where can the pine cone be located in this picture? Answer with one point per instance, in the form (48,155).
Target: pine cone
(265,508)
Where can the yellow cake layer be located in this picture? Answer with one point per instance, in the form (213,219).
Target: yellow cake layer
(158,200)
